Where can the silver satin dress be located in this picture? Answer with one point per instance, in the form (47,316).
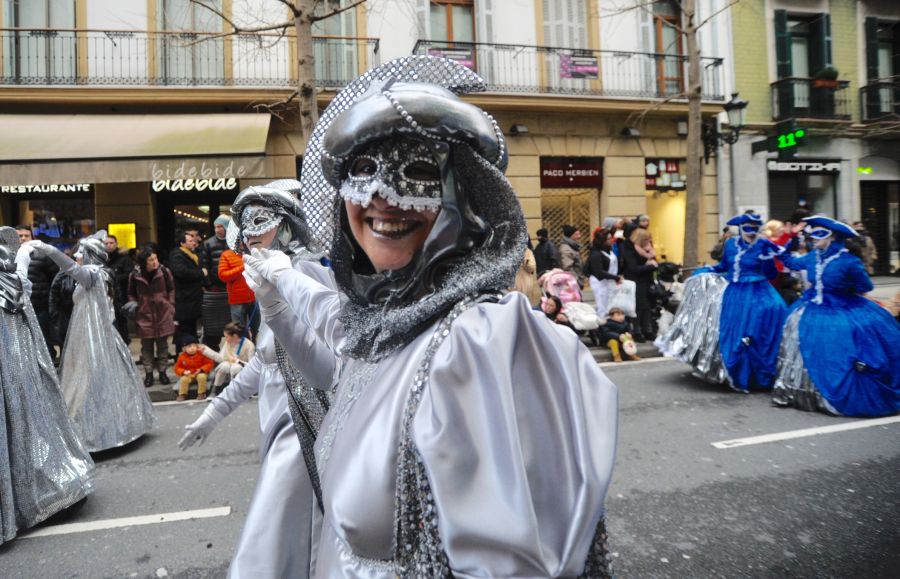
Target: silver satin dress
(516,429)
(105,395)
(44,468)
(280,529)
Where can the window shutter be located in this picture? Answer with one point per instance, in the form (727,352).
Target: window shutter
(820,44)
(423,19)
(782,45)
(484,21)
(871,48)
(826,39)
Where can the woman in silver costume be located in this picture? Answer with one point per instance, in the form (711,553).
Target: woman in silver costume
(457,443)
(277,535)
(100,383)
(44,468)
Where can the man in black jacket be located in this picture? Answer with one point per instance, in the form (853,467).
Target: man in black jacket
(216,312)
(189,277)
(120,265)
(546,256)
(41,272)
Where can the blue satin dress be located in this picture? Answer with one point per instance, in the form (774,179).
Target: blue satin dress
(850,345)
(752,313)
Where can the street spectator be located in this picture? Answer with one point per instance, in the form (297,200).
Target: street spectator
(553,308)
(41,272)
(546,256)
(602,269)
(570,252)
(240,297)
(151,288)
(616,333)
(60,306)
(215,310)
(191,366)
(640,270)
(868,251)
(526,282)
(120,265)
(232,356)
(188,276)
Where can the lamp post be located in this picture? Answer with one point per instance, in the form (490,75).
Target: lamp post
(713,139)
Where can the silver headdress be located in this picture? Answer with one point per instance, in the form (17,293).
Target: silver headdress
(259,209)
(404,112)
(92,249)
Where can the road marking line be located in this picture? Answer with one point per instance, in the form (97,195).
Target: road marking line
(629,363)
(126,522)
(762,439)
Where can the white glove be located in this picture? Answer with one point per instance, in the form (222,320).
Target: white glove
(201,428)
(260,273)
(268,263)
(61,259)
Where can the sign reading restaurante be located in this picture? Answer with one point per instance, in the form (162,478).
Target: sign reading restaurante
(54,188)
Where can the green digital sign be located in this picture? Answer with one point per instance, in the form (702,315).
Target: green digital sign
(791,139)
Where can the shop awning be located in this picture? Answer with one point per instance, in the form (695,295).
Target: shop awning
(61,138)
(66,149)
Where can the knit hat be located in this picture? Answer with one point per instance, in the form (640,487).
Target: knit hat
(569,230)
(188,339)
(222,220)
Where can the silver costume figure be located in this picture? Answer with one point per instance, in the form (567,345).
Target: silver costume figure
(44,468)
(469,436)
(101,386)
(277,537)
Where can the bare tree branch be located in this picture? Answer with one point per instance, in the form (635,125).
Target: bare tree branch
(637,117)
(717,12)
(336,12)
(291,7)
(235,29)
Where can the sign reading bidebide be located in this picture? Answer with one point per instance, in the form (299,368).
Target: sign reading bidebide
(53,188)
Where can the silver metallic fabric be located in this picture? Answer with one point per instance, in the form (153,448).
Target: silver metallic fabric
(693,336)
(793,386)
(44,468)
(518,445)
(260,208)
(105,396)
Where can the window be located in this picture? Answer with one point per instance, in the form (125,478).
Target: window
(336,58)
(453,20)
(803,52)
(669,66)
(184,60)
(882,95)
(40,56)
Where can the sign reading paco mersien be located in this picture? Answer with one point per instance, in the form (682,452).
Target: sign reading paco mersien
(805,166)
(571,172)
(54,188)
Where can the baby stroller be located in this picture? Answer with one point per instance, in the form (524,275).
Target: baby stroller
(582,316)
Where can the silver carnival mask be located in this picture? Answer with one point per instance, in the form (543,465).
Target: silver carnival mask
(257,220)
(402,171)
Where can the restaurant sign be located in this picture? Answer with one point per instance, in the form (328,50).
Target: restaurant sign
(196,176)
(51,188)
(571,172)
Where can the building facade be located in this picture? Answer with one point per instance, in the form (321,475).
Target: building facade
(589,92)
(823,74)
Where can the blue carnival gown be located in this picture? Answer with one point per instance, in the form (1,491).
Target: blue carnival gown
(752,313)
(850,346)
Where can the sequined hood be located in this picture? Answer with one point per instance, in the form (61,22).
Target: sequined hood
(280,208)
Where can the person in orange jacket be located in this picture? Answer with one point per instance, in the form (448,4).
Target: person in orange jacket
(192,365)
(240,296)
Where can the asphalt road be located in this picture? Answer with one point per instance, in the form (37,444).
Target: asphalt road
(816,506)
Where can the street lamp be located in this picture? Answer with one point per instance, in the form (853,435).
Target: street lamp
(736,110)
(712,139)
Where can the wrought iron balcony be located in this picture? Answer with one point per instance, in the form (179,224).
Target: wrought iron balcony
(810,98)
(880,101)
(59,57)
(516,68)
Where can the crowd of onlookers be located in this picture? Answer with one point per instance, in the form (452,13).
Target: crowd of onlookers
(193,297)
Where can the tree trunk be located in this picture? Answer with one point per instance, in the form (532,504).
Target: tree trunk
(306,69)
(694,207)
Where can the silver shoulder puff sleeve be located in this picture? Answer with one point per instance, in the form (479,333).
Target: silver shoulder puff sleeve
(517,432)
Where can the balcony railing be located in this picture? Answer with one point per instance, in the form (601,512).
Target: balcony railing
(515,68)
(880,100)
(810,98)
(57,57)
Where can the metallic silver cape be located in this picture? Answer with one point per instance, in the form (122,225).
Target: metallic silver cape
(105,396)
(693,336)
(44,468)
(793,386)
(281,527)
(518,444)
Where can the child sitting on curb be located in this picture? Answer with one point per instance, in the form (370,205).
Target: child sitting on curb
(229,360)
(192,365)
(617,330)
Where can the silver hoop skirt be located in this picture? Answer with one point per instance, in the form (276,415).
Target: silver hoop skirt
(103,391)
(44,468)
(693,336)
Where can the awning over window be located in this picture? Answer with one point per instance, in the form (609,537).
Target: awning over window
(60,138)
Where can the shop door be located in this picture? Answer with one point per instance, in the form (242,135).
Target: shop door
(881,215)
(189,210)
(576,207)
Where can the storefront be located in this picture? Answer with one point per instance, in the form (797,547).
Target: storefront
(60,213)
(807,183)
(880,204)
(570,195)
(665,181)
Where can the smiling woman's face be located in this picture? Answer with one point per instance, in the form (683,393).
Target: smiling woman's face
(390,236)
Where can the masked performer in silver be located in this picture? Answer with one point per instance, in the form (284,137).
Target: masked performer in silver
(469,435)
(43,466)
(103,391)
(278,532)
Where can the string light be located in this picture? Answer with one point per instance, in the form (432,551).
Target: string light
(190,216)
